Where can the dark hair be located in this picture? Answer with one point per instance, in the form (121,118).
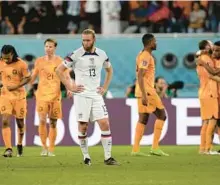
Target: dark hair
(203,44)
(217,43)
(6,49)
(158,78)
(147,38)
(196,2)
(51,40)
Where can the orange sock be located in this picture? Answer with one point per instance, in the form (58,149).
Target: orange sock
(6,134)
(52,138)
(20,135)
(209,133)
(203,137)
(139,132)
(42,129)
(158,126)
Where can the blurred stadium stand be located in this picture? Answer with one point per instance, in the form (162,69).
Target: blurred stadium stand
(174,55)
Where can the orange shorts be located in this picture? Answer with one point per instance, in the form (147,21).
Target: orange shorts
(154,102)
(18,108)
(209,108)
(51,108)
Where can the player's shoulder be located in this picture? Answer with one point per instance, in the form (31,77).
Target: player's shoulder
(206,58)
(21,61)
(100,52)
(78,52)
(40,59)
(59,58)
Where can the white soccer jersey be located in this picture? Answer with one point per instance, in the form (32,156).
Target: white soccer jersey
(87,68)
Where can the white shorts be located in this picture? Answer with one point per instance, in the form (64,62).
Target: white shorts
(90,109)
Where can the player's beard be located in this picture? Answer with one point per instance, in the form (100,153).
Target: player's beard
(89,49)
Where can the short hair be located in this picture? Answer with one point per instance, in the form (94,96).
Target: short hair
(203,44)
(158,78)
(217,43)
(89,32)
(147,38)
(6,49)
(51,40)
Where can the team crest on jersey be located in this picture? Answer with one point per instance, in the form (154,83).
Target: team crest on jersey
(144,63)
(14,72)
(92,60)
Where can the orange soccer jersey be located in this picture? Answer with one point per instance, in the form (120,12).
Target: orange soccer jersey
(11,75)
(208,91)
(13,102)
(146,61)
(49,83)
(48,93)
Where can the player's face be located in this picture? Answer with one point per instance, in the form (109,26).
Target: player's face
(161,84)
(49,48)
(153,44)
(7,58)
(216,52)
(88,41)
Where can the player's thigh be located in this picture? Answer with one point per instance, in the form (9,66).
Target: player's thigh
(55,111)
(154,102)
(209,108)
(42,109)
(20,108)
(142,109)
(6,106)
(99,110)
(83,106)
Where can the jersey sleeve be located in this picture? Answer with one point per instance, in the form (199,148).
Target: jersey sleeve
(24,70)
(107,62)
(144,62)
(69,60)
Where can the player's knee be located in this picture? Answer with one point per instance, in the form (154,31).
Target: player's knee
(20,123)
(104,124)
(43,120)
(5,122)
(83,126)
(53,123)
(143,118)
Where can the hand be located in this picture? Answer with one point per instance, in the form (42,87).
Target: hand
(77,88)
(12,88)
(101,90)
(144,101)
(20,29)
(69,94)
(199,62)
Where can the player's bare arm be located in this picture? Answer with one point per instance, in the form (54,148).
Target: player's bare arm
(109,72)
(66,79)
(23,82)
(141,73)
(211,70)
(215,78)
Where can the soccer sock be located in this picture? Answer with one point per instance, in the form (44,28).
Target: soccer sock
(83,142)
(20,134)
(209,132)
(157,133)
(6,134)
(139,132)
(203,137)
(106,139)
(52,138)
(42,129)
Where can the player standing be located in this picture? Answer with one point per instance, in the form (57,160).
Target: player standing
(48,95)
(14,75)
(214,73)
(208,97)
(148,100)
(87,63)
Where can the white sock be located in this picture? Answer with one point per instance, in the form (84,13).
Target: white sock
(106,139)
(83,141)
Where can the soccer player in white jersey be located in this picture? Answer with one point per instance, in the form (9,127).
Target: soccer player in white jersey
(87,63)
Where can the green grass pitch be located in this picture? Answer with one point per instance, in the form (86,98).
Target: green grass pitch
(183,167)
